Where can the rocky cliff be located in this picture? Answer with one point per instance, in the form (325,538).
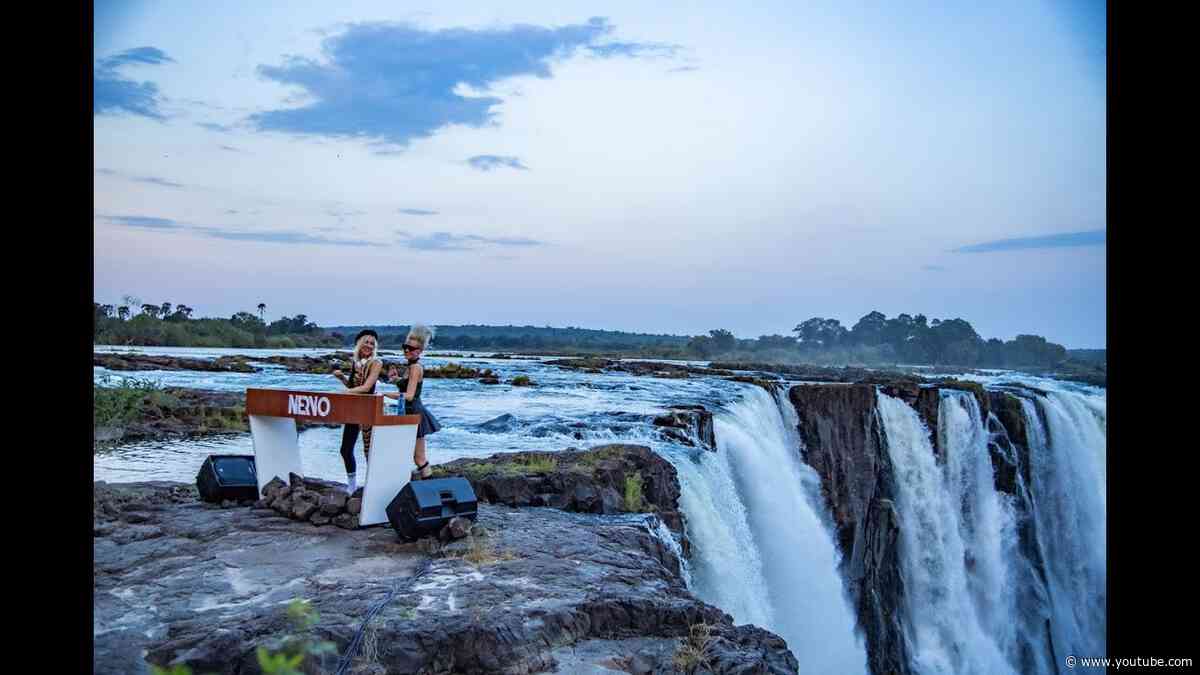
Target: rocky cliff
(844,441)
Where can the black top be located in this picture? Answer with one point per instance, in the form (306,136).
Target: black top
(402,383)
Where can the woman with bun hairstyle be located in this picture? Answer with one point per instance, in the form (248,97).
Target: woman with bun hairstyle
(364,371)
(409,385)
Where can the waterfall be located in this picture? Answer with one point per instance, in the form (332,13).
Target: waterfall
(1067,436)
(955,540)
(762,552)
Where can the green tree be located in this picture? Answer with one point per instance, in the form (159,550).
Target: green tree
(262,308)
(123,312)
(869,329)
(722,340)
(150,310)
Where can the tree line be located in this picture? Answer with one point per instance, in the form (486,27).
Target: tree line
(874,339)
(172,325)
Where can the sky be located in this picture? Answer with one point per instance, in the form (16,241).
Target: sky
(649,167)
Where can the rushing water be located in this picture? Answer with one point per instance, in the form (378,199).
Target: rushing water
(761,534)
(975,602)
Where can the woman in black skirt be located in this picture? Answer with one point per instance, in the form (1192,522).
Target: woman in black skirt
(409,385)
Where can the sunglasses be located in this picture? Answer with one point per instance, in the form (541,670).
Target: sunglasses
(410,348)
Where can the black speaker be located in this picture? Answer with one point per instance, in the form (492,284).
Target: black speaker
(423,507)
(227,477)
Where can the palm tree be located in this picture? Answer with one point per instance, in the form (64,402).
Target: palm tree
(166,309)
(123,312)
(262,307)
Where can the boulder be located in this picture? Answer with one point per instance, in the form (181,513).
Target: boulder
(457,528)
(348,521)
(302,509)
(354,505)
(273,486)
(333,503)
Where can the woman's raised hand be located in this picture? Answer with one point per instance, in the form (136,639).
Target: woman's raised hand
(393,373)
(338,374)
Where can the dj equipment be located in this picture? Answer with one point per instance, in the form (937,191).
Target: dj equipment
(224,477)
(423,507)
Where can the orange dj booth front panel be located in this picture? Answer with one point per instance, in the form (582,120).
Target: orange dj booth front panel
(324,407)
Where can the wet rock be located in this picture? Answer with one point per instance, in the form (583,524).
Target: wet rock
(347,521)
(318,518)
(489,380)
(220,581)
(691,425)
(843,440)
(589,481)
(457,528)
(354,505)
(499,424)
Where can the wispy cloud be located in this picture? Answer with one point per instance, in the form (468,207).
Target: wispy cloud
(446,241)
(113,94)
(213,126)
(489,162)
(233,233)
(633,49)
(394,82)
(416,212)
(147,222)
(1088,238)
(230,148)
(152,180)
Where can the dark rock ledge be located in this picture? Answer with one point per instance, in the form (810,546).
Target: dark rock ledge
(606,479)
(179,582)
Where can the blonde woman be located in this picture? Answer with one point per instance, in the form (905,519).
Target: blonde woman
(365,369)
(409,385)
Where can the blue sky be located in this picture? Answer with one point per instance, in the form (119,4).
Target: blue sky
(666,168)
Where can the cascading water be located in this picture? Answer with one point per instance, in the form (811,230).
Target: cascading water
(947,563)
(1067,453)
(762,553)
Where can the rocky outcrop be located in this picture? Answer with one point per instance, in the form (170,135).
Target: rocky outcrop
(133,361)
(609,479)
(690,425)
(179,412)
(532,590)
(844,442)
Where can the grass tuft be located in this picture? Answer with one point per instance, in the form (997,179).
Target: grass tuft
(690,654)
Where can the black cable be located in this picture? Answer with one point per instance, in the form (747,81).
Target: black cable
(349,655)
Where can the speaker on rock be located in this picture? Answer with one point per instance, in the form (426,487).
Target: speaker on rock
(423,507)
(224,477)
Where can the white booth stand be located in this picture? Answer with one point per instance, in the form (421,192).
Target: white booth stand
(273,414)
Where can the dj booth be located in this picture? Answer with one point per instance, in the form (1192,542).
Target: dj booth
(273,414)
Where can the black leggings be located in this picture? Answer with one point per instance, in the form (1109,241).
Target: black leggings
(349,438)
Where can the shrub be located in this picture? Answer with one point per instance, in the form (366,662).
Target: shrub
(690,654)
(118,400)
(633,492)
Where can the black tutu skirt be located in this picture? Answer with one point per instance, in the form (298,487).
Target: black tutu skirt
(429,423)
